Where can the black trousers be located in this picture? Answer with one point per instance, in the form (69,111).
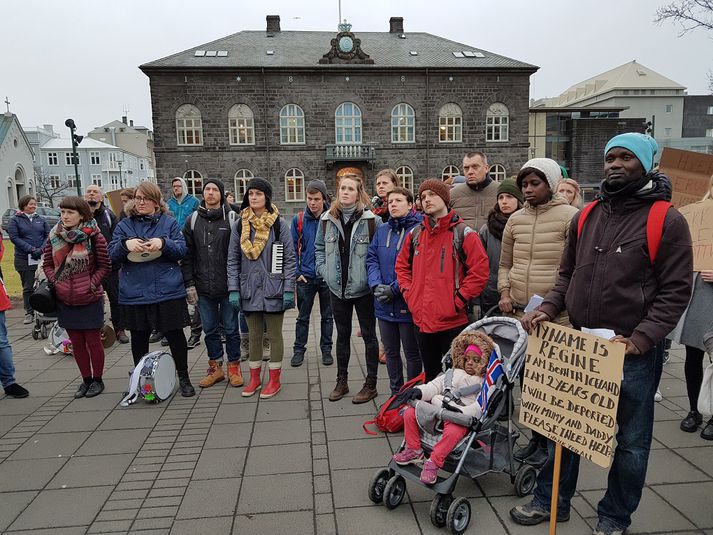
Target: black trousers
(342,310)
(433,346)
(176,342)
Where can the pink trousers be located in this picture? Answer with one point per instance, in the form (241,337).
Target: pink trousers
(452,433)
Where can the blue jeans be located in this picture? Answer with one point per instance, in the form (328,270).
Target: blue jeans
(243,323)
(213,313)
(306,291)
(635,417)
(394,334)
(7,368)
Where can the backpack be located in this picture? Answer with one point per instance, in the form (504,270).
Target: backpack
(390,418)
(232,216)
(459,257)
(654,224)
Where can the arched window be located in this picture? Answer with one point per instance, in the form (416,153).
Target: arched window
(189,125)
(241,125)
(242,177)
(403,121)
(497,122)
(450,123)
(347,124)
(292,125)
(405,175)
(194,182)
(497,172)
(294,185)
(450,171)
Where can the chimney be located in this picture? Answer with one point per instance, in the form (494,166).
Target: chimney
(131,122)
(123,119)
(396,25)
(273,23)
(48,127)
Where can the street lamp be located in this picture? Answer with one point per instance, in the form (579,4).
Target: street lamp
(121,177)
(76,140)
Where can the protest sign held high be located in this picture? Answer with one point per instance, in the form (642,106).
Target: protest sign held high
(700,221)
(571,389)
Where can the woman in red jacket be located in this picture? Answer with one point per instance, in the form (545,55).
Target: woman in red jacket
(75,262)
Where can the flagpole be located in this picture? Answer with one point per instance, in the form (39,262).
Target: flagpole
(340,12)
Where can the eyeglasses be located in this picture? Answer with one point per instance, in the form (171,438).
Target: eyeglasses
(141,200)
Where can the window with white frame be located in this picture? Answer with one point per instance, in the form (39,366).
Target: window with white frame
(403,122)
(94,158)
(669,108)
(710,110)
(194,182)
(449,171)
(497,172)
(115,181)
(55,181)
(292,125)
(52,158)
(347,124)
(294,185)
(189,125)
(97,180)
(241,125)
(72,181)
(68,159)
(242,177)
(497,122)
(450,123)
(405,176)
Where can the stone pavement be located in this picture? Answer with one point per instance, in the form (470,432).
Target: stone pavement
(219,463)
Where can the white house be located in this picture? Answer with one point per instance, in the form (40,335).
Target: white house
(16,171)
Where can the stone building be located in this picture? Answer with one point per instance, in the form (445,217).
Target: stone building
(16,158)
(297,105)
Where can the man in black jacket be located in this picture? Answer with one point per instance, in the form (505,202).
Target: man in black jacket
(106,220)
(205,273)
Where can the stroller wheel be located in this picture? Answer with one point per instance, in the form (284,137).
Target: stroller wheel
(394,491)
(43,330)
(525,479)
(458,516)
(377,484)
(35,333)
(439,509)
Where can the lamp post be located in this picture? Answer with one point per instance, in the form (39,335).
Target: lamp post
(121,177)
(76,140)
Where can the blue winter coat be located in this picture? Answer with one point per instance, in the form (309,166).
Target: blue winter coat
(143,283)
(27,235)
(305,245)
(380,262)
(185,208)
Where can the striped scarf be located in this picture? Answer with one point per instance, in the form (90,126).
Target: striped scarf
(72,247)
(262,226)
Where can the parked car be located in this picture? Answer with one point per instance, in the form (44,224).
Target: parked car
(51,215)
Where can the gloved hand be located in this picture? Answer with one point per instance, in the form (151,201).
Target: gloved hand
(191,295)
(384,293)
(288,300)
(409,394)
(234,299)
(452,407)
(36,254)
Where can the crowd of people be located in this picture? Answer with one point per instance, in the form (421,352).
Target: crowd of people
(424,266)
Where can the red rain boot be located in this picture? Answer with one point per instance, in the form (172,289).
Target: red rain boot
(254,384)
(273,385)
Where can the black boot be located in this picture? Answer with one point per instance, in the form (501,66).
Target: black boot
(185,385)
(523,453)
(82,390)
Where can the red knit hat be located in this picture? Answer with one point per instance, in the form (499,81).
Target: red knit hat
(438,187)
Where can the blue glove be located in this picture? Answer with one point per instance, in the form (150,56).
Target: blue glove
(288,300)
(234,299)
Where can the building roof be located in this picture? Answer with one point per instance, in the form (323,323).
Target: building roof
(630,75)
(119,124)
(300,49)
(6,120)
(87,143)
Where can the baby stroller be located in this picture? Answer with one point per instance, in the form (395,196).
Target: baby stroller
(486,448)
(44,323)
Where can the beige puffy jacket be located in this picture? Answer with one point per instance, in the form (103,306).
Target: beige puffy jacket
(472,205)
(532,245)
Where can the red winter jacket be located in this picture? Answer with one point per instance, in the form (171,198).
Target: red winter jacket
(426,275)
(4,299)
(84,287)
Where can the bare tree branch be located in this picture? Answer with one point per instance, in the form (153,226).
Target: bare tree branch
(690,14)
(49,189)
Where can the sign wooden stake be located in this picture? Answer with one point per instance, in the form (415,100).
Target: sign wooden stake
(555,488)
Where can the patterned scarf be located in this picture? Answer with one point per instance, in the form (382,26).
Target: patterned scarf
(72,247)
(261,225)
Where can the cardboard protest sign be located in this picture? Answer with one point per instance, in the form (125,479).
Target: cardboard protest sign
(700,222)
(571,388)
(690,174)
(115,200)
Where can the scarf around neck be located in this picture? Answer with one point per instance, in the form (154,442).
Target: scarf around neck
(262,224)
(496,223)
(72,247)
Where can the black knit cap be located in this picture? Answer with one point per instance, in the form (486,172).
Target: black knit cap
(219,184)
(262,185)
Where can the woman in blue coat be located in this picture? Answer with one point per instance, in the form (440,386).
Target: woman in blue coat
(28,231)
(395,322)
(151,292)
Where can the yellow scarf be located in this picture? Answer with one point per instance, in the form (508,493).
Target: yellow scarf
(262,226)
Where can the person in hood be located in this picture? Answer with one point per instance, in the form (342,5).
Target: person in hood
(205,272)
(182,204)
(305,226)
(395,321)
(607,280)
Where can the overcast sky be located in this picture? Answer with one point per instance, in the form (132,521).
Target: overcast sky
(80,58)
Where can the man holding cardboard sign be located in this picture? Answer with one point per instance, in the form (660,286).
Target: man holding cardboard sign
(609,278)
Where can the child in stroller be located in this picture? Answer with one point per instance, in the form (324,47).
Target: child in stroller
(470,352)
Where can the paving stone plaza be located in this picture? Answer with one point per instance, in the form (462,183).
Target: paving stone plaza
(220,463)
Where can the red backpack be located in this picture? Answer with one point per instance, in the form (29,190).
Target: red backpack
(654,224)
(390,418)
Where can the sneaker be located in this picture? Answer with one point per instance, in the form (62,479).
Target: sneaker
(265,348)
(657,396)
(297,360)
(194,340)
(155,337)
(408,456)
(706,434)
(340,390)
(367,392)
(429,474)
(121,336)
(327,359)
(691,422)
(530,514)
(244,348)
(82,390)
(602,529)
(96,388)
(164,341)
(16,391)
(29,318)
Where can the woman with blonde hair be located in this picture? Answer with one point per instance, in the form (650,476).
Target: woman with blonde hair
(148,244)
(340,257)
(569,189)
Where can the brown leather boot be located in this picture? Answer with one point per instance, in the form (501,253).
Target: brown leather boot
(215,374)
(235,375)
(367,392)
(341,390)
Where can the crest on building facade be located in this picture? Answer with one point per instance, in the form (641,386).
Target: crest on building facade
(346,48)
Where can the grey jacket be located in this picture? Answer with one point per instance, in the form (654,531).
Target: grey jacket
(490,296)
(697,320)
(260,290)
